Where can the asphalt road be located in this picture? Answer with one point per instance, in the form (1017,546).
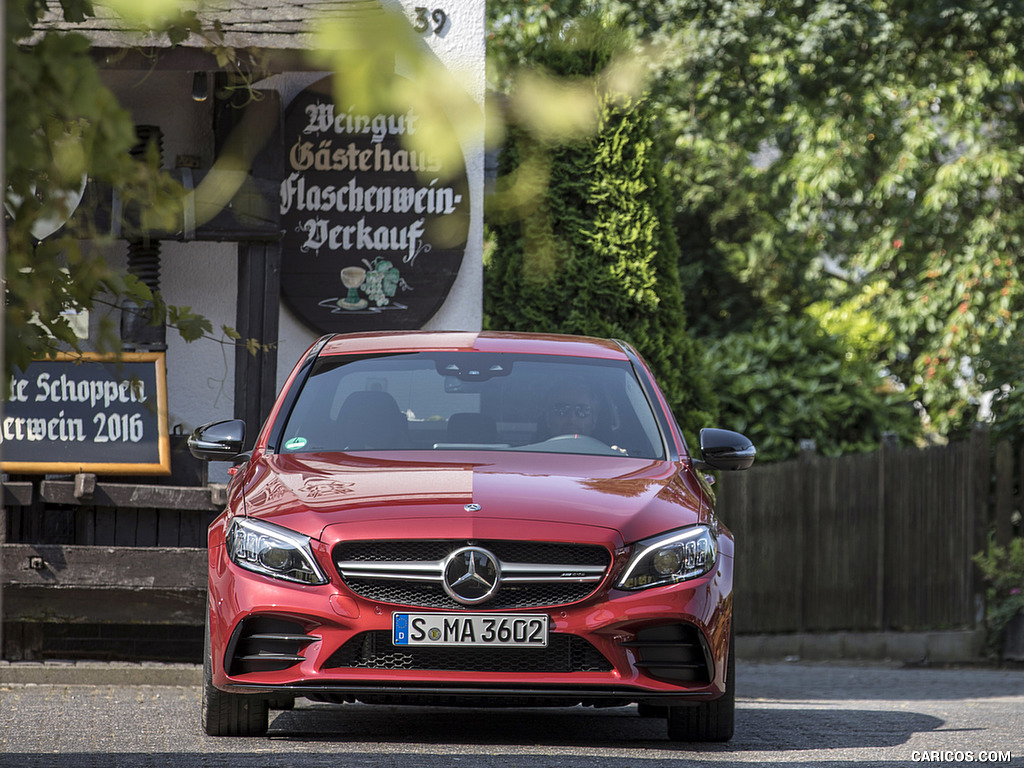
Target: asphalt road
(811,714)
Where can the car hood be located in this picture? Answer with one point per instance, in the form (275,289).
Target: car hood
(462,494)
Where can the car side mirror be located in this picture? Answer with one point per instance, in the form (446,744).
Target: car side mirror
(725,450)
(218,440)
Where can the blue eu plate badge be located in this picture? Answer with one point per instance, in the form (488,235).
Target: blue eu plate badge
(400,633)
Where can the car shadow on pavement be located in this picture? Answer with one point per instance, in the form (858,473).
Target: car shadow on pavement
(356,759)
(761,727)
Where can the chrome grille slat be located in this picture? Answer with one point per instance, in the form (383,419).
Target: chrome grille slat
(351,574)
(551,572)
(544,580)
(384,568)
(412,573)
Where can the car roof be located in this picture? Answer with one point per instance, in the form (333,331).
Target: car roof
(485,341)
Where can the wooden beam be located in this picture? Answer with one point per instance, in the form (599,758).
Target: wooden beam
(78,605)
(129,585)
(134,568)
(17,494)
(136,496)
(186,59)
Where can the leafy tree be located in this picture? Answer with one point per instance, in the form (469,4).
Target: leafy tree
(1001,374)
(64,126)
(863,151)
(863,154)
(588,251)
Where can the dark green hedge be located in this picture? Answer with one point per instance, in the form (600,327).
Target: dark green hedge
(596,255)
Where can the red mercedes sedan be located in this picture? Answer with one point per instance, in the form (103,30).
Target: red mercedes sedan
(482,519)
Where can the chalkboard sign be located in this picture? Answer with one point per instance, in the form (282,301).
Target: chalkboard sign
(88,413)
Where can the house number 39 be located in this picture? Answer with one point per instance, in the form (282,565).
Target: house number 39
(430,20)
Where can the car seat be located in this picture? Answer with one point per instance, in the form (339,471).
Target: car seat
(371,420)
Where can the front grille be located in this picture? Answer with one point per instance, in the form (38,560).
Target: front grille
(534,574)
(438,549)
(564,653)
(674,653)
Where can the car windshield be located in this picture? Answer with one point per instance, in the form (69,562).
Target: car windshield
(472,401)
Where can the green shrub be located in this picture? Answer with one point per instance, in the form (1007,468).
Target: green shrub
(1002,569)
(789,380)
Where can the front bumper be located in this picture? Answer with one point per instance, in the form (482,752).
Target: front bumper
(663,645)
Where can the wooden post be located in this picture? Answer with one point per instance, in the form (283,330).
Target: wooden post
(886,453)
(979,490)
(1004,493)
(808,480)
(1020,487)
(259,290)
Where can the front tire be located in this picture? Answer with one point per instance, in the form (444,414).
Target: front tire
(711,720)
(230,714)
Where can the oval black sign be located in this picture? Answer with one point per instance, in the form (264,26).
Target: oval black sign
(375,231)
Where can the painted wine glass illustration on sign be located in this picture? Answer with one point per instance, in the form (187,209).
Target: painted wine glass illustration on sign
(352,278)
(379,280)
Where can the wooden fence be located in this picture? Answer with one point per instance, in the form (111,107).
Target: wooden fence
(860,543)
(871,542)
(104,569)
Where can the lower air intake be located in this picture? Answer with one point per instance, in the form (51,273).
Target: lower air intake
(564,653)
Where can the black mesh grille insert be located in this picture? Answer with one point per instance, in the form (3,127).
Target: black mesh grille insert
(564,653)
(434,596)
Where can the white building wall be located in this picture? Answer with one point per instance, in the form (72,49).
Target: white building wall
(201,374)
(204,275)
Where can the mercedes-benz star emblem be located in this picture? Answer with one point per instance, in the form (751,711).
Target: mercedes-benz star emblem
(472,507)
(471,575)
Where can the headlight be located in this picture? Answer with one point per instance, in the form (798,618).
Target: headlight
(670,558)
(272,551)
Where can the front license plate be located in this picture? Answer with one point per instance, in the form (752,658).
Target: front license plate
(471,629)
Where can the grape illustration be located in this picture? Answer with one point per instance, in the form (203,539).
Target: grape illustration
(374,288)
(382,281)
